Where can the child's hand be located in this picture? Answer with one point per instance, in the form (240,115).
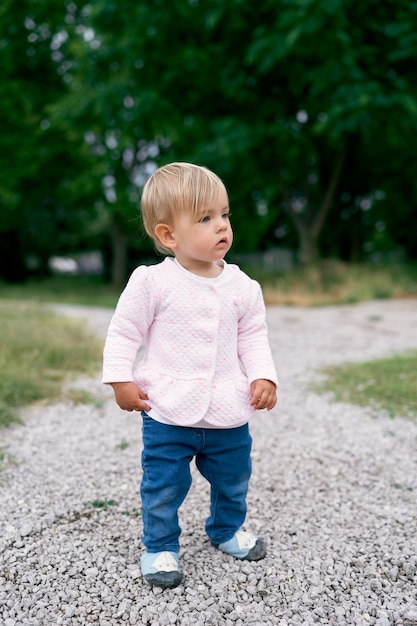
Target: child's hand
(129,397)
(264,394)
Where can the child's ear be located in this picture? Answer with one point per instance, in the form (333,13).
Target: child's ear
(164,233)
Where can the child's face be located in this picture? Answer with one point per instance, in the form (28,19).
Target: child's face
(204,239)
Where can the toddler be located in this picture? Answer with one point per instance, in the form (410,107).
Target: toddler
(206,368)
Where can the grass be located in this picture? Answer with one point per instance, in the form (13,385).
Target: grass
(82,396)
(102,505)
(385,384)
(334,282)
(106,505)
(6,459)
(65,289)
(39,351)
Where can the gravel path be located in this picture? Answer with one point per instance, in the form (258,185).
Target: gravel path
(334,493)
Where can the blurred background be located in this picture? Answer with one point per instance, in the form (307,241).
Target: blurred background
(307,109)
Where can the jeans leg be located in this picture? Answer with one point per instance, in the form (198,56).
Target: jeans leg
(166,457)
(226,463)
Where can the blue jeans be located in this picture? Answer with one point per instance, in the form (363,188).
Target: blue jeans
(222,456)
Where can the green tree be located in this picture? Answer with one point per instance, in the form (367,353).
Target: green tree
(46,198)
(296,104)
(278,97)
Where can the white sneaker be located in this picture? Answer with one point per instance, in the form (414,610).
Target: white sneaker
(161,569)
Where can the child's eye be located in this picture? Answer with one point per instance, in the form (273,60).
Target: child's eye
(206,218)
(226,216)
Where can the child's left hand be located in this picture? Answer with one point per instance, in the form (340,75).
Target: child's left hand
(264,394)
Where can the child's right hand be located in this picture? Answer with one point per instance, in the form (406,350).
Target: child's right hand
(130,397)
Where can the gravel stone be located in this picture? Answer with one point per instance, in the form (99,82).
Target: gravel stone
(333,493)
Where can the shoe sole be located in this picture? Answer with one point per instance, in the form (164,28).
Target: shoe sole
(256,553)
(165,580)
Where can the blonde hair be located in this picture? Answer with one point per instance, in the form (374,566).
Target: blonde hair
(173,189)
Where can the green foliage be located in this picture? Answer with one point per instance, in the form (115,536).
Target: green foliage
(49,181)
(269,95)
(305,108)
(39,351)
(384,385)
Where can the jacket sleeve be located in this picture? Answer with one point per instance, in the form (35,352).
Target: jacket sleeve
(253,344)
(128,327)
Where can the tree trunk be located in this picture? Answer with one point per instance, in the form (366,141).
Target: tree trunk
(309,229)
(324,210)
(119,257)
(308,253)
(12,266)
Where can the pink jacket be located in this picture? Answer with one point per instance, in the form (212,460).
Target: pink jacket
(205,340)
